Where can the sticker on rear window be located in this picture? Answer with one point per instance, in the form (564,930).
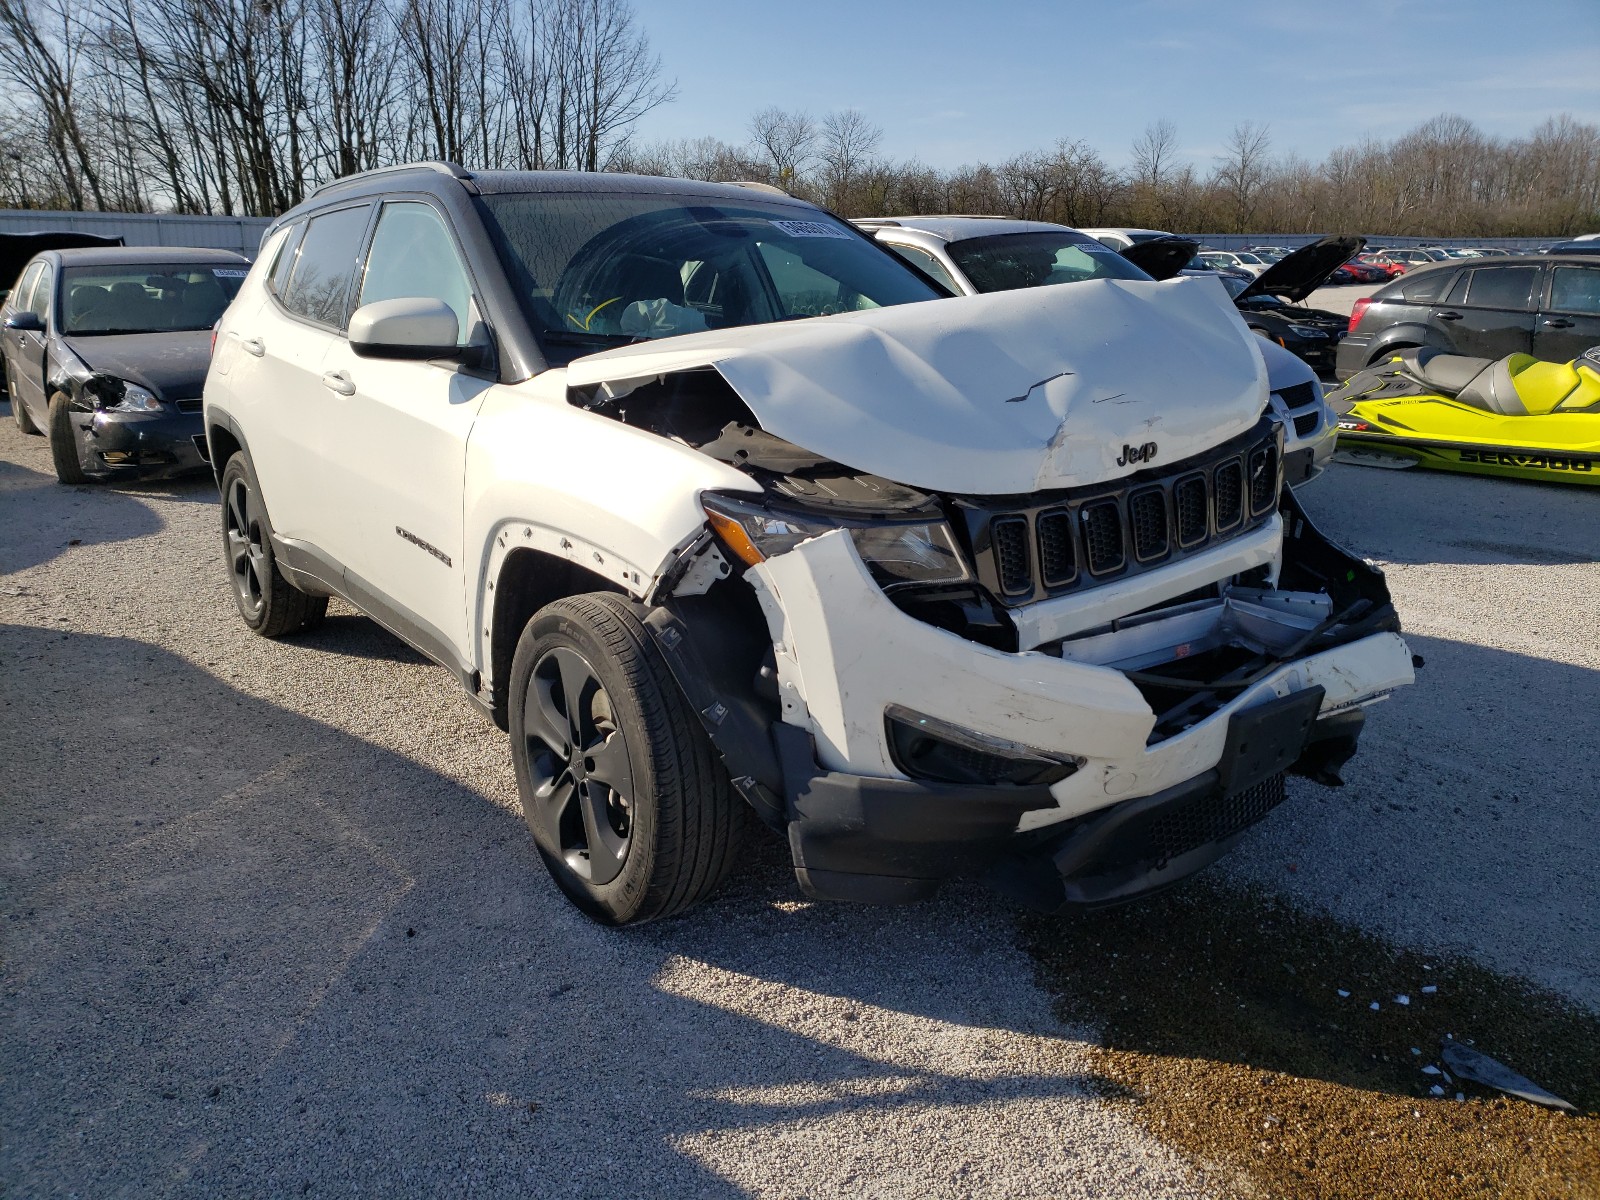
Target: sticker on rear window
(229,272)
(811,229)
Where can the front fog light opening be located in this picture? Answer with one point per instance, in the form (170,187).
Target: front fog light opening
(925,747)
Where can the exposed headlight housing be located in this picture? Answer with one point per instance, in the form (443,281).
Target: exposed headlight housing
(899,551)
(135,399)
(1308,331)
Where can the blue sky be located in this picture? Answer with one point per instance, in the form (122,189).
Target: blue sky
(958,81)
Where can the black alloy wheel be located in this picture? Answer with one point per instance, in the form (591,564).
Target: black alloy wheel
(627,800)
(579,767)
(247,556)
(269,603)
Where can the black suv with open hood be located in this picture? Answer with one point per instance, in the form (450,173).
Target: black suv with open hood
(1271,304)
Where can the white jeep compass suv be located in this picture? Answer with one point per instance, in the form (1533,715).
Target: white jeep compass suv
(702,503)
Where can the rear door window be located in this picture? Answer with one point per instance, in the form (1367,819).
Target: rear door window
(1494,287)
(318,287)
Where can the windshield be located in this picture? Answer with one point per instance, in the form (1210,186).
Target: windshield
(1234,284)
(1005,261)
(147,297)
(595,270)
(1245,257)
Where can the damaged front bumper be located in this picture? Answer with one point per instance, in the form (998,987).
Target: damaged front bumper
(140,445)
(1143,773)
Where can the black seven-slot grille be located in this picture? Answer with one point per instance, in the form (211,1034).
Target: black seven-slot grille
(1075,539)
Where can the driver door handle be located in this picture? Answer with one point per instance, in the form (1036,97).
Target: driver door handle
(254,346)
(1449,316)
(1557,323)
(339,381)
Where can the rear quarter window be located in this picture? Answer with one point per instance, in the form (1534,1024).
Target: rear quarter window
(1422,288)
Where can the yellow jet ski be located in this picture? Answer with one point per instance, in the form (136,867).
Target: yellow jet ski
(1514,416)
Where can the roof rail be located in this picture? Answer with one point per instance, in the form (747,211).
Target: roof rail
(454,170)
(754,186)
(874,222)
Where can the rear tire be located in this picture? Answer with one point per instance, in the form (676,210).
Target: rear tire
(64,441)
(268,603)
(19,411)
(626,799)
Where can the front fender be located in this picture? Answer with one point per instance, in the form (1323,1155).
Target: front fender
(548,476)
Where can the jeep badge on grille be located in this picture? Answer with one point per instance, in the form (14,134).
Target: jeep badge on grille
(1137,454)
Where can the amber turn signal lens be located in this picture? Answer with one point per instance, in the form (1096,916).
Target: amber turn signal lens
(735,538)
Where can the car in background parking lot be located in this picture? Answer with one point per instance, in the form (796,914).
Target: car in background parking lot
(105,350)
(1576,246)
(1544,305)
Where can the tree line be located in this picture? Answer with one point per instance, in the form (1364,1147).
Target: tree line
(243,106)
(1445,178)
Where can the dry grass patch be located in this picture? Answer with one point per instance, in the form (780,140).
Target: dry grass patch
(1226,1035)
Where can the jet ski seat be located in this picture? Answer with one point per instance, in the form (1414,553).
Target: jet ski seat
(1445,374)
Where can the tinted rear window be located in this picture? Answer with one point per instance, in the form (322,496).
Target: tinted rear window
(1494,287)
(324,265)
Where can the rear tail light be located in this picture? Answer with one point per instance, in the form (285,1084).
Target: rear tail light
(1358,311)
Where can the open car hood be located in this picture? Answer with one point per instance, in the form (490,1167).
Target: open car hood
(1161,258)
(1299,274)
(1006,393)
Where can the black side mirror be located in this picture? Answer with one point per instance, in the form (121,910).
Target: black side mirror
(25,322)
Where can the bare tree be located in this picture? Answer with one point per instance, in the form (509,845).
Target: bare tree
(1154,153)
(1242,171)
(787,140)
(846,147)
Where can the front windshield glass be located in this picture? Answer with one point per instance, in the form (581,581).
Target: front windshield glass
(1004,261)
(595,270)
(1249,258)
(147,297)
(1234,284)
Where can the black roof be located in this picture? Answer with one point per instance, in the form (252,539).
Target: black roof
(112,256)
(434,176)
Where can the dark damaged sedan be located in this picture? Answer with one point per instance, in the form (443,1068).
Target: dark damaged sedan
(106,352)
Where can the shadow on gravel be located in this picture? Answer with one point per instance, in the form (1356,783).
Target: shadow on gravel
(355,635)
(34,532)
(1418,516)
(245,953)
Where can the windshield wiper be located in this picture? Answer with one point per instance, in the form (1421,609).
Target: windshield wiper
(568,337)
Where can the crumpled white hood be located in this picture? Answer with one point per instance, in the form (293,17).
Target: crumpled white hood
(1011,392)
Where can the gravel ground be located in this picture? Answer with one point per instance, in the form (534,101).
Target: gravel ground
(273,924)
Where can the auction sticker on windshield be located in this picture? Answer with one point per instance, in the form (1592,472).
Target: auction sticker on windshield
(229,273)
(811,229)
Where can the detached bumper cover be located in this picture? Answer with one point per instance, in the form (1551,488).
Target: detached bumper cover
(859,829)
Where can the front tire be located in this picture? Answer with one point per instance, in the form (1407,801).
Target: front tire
(268,603)
(19,410)
(64,441)
(625,797)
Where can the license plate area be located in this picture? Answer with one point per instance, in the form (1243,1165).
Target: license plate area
(1266,739)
